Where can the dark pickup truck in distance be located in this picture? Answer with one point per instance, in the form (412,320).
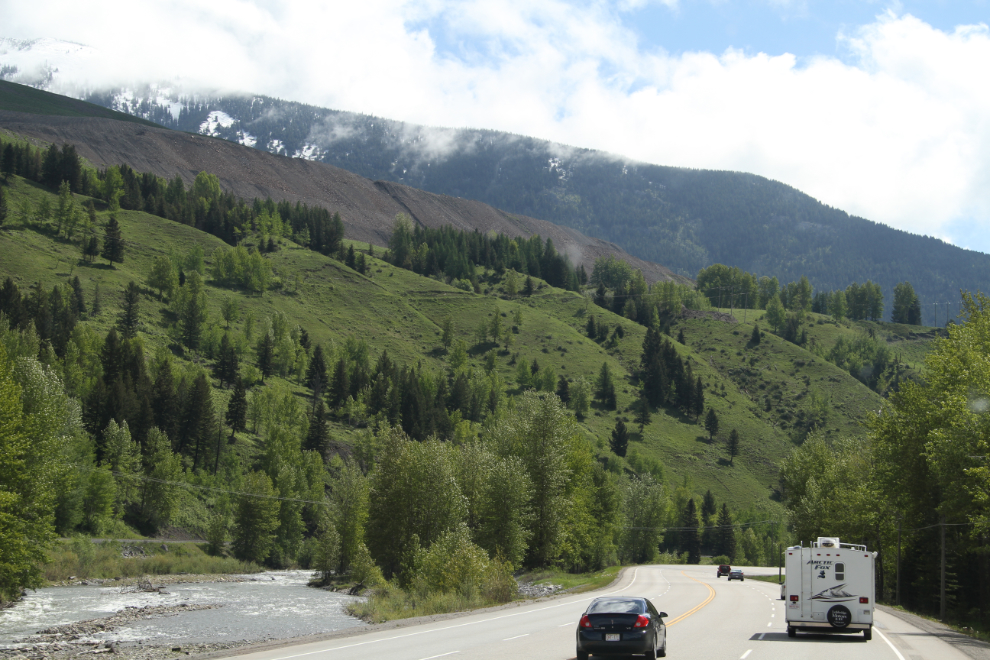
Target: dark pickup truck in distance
(723,569)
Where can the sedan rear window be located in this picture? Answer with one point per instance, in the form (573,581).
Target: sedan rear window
(617,606)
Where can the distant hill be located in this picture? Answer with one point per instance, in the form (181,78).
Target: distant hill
(684,219)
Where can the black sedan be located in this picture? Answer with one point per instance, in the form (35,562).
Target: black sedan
(614,625)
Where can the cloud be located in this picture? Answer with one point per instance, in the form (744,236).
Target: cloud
(894,130)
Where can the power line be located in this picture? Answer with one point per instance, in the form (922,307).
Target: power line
(185,484)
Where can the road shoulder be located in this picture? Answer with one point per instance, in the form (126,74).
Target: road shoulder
(974,648)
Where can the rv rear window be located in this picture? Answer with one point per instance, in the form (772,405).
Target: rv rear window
(840,571)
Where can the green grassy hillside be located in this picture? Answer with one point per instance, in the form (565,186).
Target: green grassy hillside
(21,98)
(396,310)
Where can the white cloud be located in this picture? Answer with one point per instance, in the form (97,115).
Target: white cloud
(896,131)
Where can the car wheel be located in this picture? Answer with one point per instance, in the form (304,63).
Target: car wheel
(868,634)
(662,653)
(582,655)
(651,654)
(791,632)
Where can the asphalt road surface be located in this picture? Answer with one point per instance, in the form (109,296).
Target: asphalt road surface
(708,618)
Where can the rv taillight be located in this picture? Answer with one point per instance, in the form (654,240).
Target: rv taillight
(864,599)
(794,598)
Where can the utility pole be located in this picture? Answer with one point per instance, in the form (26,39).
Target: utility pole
(941,606)
(897,598)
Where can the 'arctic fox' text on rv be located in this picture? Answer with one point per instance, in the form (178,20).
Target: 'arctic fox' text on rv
(830,588)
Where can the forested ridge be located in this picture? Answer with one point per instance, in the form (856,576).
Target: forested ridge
(683,219)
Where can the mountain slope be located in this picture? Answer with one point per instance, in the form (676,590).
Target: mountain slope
(368,209)
(684,219)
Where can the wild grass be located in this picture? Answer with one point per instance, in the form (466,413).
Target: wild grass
(572,582)
(83,559)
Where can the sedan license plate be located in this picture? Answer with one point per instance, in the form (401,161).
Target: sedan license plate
(611,637)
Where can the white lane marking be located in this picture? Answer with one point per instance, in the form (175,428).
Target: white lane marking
(892,647)
(762,635)
(770,624)
(459,625)
(439,656)
(564,625)
(516,637)
(746,654)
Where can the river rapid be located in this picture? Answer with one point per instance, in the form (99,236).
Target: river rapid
(262,606)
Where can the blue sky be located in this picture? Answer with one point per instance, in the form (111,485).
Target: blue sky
(877,108)
(802,28)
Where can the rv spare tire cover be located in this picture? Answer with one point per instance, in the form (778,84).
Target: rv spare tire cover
(839,616)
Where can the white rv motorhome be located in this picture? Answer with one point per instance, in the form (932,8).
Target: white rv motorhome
(829,588)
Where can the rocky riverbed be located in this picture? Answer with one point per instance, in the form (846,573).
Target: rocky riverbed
(164,618)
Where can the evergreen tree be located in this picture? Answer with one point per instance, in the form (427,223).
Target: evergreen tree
(113,242)
(690,540)
(192,311)
(605,387)
(620,439)
(591,328)
(528,286)
(733,446)
(91,248)
(564,390)
(643,415)
(447,332)
(318,435)
(97,300)
(755,338)
(236,417)
(3,207)
(340,387)
(698,400)
(316,373)
(725,538)
(711,424)
(266,355)
(78,302)
(128,321)
(227,368)
(708,512)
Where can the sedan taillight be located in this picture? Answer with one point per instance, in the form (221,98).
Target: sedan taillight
(585,622)
(642,621)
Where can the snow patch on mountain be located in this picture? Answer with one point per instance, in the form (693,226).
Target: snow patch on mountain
(308,152)
(214,121)
(246,139)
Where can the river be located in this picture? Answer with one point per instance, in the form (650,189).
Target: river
(270,605)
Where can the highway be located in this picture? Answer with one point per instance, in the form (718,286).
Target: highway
(708,618)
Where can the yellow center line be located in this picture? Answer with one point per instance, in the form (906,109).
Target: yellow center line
(711,595)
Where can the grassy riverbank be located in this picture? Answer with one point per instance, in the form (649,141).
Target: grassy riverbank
(389,602)
(82,559)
